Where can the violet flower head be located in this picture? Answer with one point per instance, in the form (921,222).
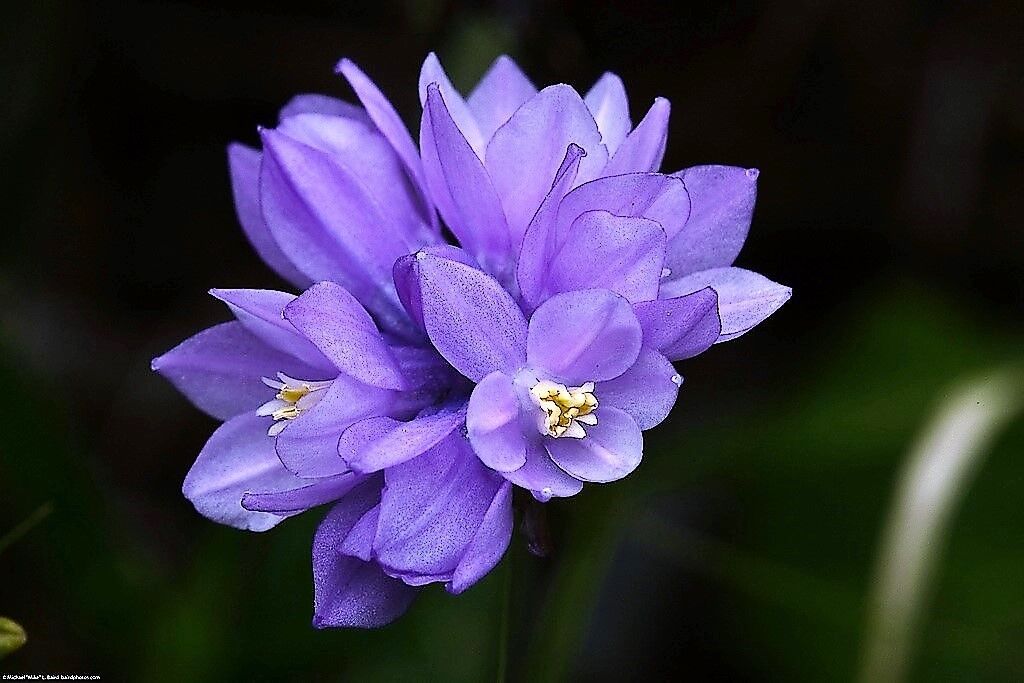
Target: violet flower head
(414,383)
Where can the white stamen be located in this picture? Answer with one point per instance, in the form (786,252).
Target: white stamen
(294,396)
(564,410)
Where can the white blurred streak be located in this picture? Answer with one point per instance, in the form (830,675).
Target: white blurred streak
(936,476)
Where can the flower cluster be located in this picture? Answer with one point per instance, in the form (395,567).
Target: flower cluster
(414,384)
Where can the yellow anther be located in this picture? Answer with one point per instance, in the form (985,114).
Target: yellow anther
(292,394)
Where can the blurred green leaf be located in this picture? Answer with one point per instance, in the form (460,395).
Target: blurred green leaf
(41,513)
(936,475)
(12,636)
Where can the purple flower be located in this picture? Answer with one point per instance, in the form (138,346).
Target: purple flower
(414,383)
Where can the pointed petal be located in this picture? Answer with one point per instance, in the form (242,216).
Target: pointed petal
(406,441)
(647,391)
(407,279)
(541,240)
(542,477)
(344,332)
(390,125)
(608,103)
(502,90)
(624,255)
(723,204)
(585,336)
(238,458)
(347,591)
(219,369)
(471,320)
(328,225)
(368,157)
(681,327)
(643,149)
(525,154)
(745,298)
(493,423)
(261,312)
(611,450)
(460,185)
(433,73)
(488,545)
(244,164)
(432,508)
(319,492)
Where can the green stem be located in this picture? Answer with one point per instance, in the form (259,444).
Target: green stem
(503,625)
(41,513)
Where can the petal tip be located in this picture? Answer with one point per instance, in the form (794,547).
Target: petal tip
(344,65)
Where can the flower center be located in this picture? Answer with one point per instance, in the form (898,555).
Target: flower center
(566,409)
(293,397)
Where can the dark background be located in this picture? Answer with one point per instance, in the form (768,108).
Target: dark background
(890,138)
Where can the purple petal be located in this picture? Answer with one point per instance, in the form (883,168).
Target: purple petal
(493,423)
(611,449)
(488,545)
(471,320)
(244,164)
(363,432)
(585,336)
(723,203)
(542,477)
(407,279)
(745,298)
(345,333)
(502,90)
(647,391)
(347,591)
(261,312)
(624,255)
(681,327)
(308,445)
(390,126)
(432,508)
(541,239)
(655,196)
(525,154)
(406,440)
(291,501)
(314,103)
(433,73)
(368,157)
(238,458)
(460,186)
(219,369)
(643,149)
(325,222)
(425,371)
(608,103)
(359,542)
(351,593)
